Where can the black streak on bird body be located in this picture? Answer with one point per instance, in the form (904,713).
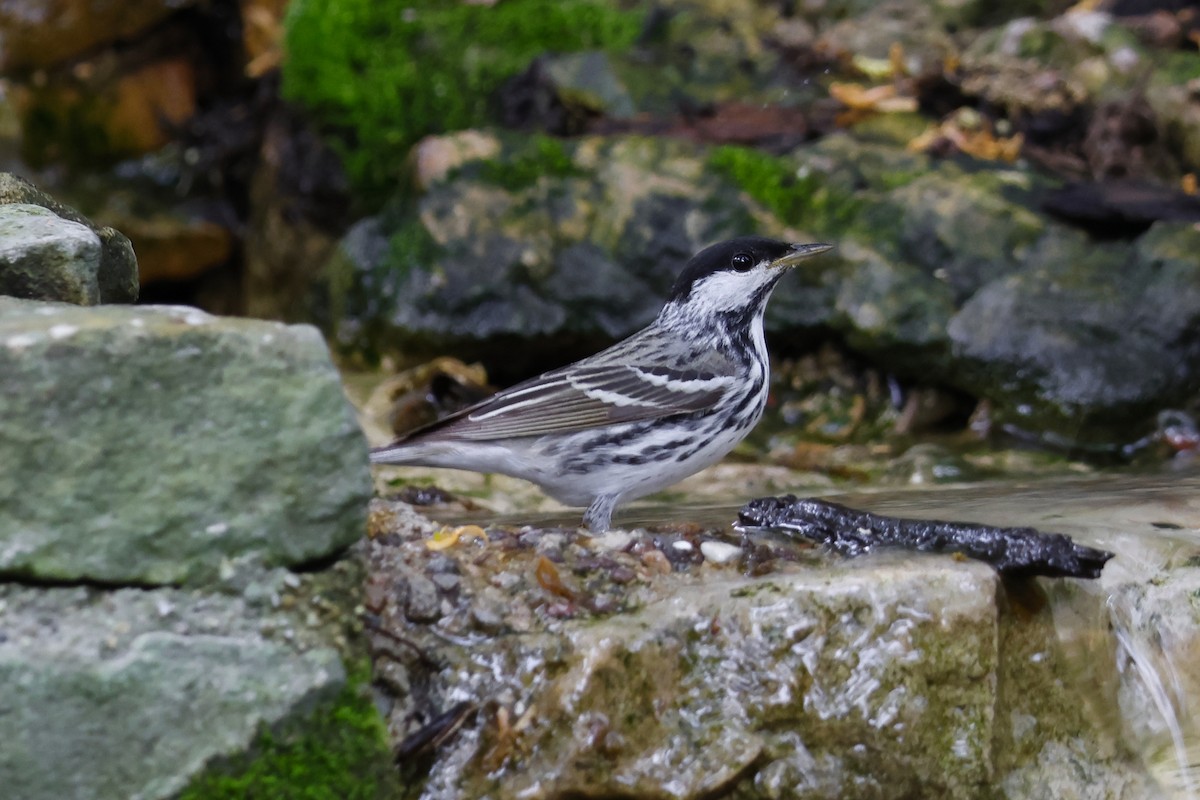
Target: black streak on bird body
(1012,551)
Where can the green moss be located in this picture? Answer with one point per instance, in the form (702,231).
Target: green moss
(379,75)
(357,294)
(412,246)
(339,753)
(1176,68)
(520,168)
(796,196)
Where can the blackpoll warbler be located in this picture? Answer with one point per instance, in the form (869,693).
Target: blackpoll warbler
(647,412)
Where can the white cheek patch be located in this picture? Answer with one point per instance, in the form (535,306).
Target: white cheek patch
(727,291)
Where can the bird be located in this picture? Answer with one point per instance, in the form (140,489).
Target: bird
(643,414)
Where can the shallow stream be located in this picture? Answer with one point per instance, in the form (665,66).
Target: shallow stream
(1132,635)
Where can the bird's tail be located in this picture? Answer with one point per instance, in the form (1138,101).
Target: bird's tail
(418,452)
(400,452)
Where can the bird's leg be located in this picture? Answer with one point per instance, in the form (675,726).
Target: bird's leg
(598,517)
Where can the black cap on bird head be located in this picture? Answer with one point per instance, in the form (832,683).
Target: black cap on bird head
(742,254)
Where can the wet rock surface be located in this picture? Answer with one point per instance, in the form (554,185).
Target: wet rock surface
(149,445)
(1159,630)
(628,664)
(682,661)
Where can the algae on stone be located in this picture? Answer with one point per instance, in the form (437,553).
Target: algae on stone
(338,750)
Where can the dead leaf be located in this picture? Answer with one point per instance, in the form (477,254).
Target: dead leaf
(448,537)
(549,579)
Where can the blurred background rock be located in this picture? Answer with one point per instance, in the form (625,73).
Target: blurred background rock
(1012,188)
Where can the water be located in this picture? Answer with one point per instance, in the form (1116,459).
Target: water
(1136,630)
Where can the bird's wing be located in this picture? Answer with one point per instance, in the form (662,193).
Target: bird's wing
(589,394)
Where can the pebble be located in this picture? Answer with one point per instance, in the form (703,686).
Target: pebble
(613,540)
(440,563)
(489,608)
(445,581)
(719,552)
(423,604)
(506,580)
(487,618)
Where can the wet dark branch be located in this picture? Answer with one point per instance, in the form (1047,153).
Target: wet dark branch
(1012,551)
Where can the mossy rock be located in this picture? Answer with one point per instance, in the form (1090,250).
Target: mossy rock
(338,752)
(194,693)
(548,248)
(788,189)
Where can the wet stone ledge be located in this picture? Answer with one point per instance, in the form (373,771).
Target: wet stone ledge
(684,663)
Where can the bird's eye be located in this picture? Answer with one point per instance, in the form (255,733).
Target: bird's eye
(742,262)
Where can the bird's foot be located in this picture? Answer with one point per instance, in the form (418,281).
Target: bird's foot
(598,517)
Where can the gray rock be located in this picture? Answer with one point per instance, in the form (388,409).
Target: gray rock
(423,604)
(1054,65)
(878,27)
(957,277)
(964,229)
(445,581)
(117,274)
(138,693)
(1103,334)
(587,81)
(151,444)
(45,257)
(890,307)
(1158,626)
(701,53)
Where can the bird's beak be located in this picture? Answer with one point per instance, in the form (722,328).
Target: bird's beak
(799,252)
